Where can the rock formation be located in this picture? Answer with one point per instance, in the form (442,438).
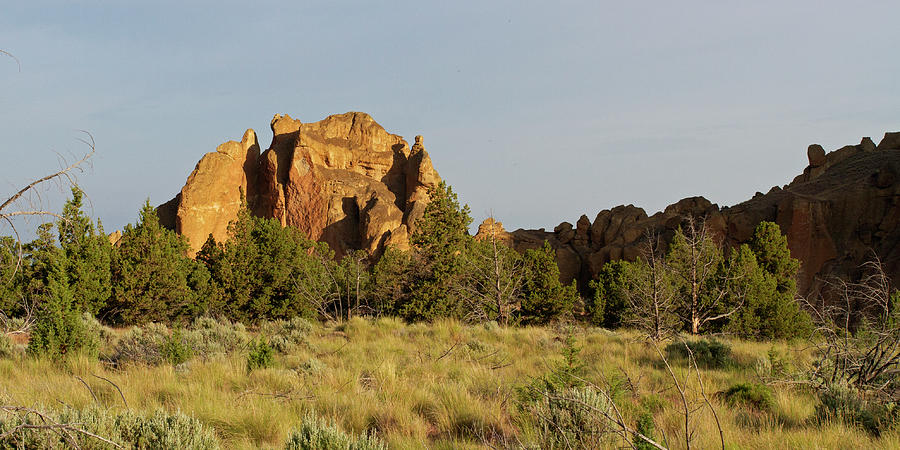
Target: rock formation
(843,209)
(346,181)
(343,180)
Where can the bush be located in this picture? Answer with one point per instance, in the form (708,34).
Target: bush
(755,396)
(261,356)
(158,431)
(152,344)
(708,353)
(316,434)
(855,407)
(208,337)
(174,349)
(644,426)
(7,348)
(285,336)
(58,333)
(573,418)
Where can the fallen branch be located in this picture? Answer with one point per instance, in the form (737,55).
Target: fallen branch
(448,351)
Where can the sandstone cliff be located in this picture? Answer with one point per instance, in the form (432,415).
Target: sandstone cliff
(343,180)
(841,211)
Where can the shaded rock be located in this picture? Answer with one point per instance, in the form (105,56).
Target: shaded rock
(843,209)
(816,155)
(891,141)
(886,176)
(564,232)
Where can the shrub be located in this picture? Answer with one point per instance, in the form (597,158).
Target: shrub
(62,332)
(158,431)
(141,345)
(644,426)
(573,418)
(755,396)
(208,337)
(285,336)
(776,364)
(567,374)
(855,407)
(7,348)
(174,349)
(261,356)
(316,434)
(708,353)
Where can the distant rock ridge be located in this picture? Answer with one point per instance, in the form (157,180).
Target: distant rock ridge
(842,210)
(343,180)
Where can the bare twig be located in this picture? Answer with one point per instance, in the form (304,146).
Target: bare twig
(115,386)
(447,352)
(89,389)
(18,64)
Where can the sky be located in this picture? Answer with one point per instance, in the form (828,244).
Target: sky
(535,112)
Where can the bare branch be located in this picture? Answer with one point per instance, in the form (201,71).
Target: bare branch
(18,64)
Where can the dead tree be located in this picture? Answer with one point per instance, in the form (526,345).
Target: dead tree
(28,202)
(491,283)
(695,258)
(865,357)
(650,292)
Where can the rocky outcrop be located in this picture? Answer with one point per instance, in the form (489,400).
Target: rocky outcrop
(343,180)
(492,228)
(841,211)
(215,190)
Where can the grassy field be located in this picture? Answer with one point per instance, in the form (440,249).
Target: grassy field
(444,385)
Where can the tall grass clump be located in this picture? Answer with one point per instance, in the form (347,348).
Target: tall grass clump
(856,407)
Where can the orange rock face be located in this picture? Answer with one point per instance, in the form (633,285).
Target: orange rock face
(343,180)
(213,193)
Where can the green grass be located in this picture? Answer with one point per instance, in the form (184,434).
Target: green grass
(441,385)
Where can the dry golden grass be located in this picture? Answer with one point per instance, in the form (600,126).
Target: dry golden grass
(442,385)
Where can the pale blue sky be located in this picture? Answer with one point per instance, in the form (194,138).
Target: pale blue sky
(536,111)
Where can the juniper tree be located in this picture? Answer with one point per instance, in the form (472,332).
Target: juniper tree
(263,268)
(87,255)
(391,281)
(10,277)
(544,297)
(58,328)
(440,237)
(608,305)
(764,277)
(151,274)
